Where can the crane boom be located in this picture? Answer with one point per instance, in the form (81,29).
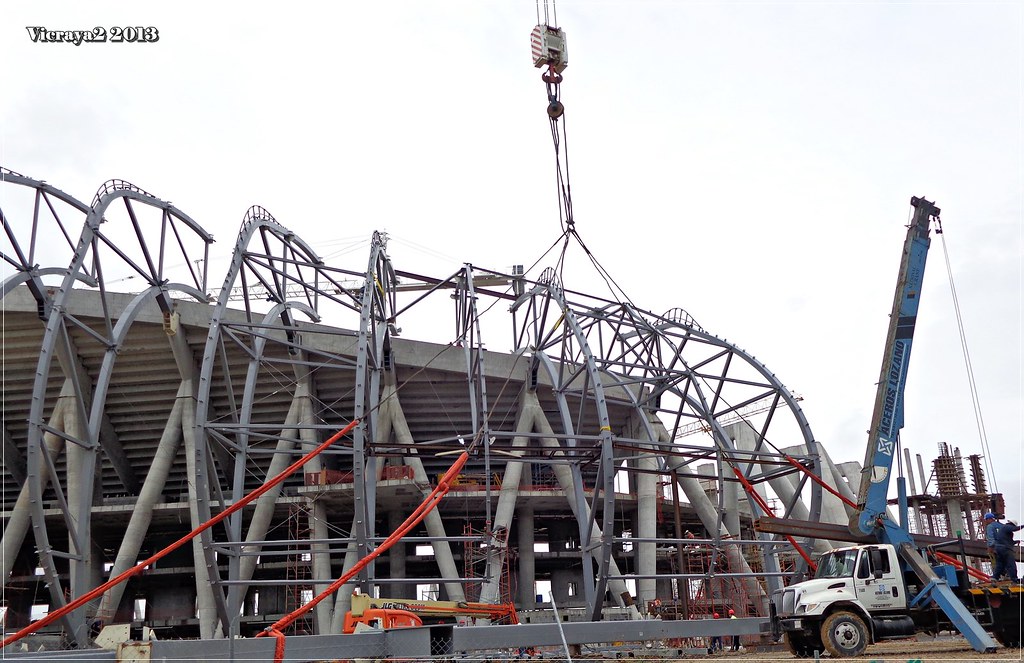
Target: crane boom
(887,417)
(845,624)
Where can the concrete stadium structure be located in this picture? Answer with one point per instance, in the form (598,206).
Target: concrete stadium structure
(132,418)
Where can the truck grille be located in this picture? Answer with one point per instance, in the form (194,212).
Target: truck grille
(788,602)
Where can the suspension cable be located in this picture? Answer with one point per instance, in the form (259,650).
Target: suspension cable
(975,400)
(549,50)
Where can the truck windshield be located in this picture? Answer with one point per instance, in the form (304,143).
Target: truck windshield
(837,564)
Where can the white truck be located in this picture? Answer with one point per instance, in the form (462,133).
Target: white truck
(862,594)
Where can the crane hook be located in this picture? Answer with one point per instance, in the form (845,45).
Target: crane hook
(552,79)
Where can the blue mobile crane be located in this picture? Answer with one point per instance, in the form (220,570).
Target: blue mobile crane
(866,593)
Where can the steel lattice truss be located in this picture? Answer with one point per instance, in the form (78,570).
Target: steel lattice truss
(289,350)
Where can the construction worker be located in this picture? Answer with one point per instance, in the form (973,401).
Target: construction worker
(735,638)
(991,524)
(1006,565)
(716,640)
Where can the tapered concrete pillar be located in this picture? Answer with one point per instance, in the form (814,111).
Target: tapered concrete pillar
(81,484)
(582,511)
(840,483)
(527,558)
(646,516)
(21,515)
(142,514)
(490,592)
(396,561)
(318,526)
(832,509)
(266,502)
(209,621)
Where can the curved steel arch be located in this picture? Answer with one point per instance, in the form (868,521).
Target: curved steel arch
(58,345)
(600,356)
(271,262)
(642,358)
(21,253)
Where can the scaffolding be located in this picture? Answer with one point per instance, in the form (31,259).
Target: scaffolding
(476,550)
(298,568)
(959,501)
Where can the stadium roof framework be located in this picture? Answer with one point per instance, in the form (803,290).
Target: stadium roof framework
(132,417)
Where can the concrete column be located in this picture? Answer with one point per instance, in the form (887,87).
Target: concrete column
(527,560)
(832,509)
(924,477)
(264,509)
(397,559)
(503,513)
(646,517)
(956,517)
(206,611)
(343,600)
(581,511)
(142,514)
(318,529)
(731,506)
(17,525)
(81,484)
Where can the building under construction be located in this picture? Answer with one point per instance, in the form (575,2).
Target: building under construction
(617,458)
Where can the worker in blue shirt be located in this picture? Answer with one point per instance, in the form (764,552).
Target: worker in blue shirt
(992,526)
(1006,564)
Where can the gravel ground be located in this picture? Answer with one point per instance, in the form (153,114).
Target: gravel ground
(916,649)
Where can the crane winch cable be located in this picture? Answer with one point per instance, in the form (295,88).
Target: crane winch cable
(548,49)
(972,385)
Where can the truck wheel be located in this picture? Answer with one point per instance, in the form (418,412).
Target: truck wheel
(844,635)
(1008,637)
(801,646)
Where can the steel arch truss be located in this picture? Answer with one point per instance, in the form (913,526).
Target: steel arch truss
(142,234)
(621,392)
(235,437)
(679,379)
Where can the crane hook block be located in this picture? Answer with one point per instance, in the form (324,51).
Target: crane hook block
(548,48)
(555,109)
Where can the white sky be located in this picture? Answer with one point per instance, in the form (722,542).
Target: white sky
(750,162)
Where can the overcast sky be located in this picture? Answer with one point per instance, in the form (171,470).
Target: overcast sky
(750,162)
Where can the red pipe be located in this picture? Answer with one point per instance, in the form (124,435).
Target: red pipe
(747,486)
(88,596)
(817,479)
(414,519)
(973,572)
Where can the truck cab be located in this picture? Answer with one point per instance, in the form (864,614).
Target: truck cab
(857,596)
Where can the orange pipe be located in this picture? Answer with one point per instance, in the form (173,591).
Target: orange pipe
(971,571)
(88,596)
(747,486)
(414,519)
(814,477)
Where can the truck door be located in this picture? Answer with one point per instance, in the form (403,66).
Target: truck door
(878,581)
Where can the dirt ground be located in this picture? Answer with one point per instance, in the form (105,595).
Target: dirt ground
(896,651)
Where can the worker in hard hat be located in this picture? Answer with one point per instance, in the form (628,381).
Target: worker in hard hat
(716,640)
(992,525)
(1006,564)
(735,638)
